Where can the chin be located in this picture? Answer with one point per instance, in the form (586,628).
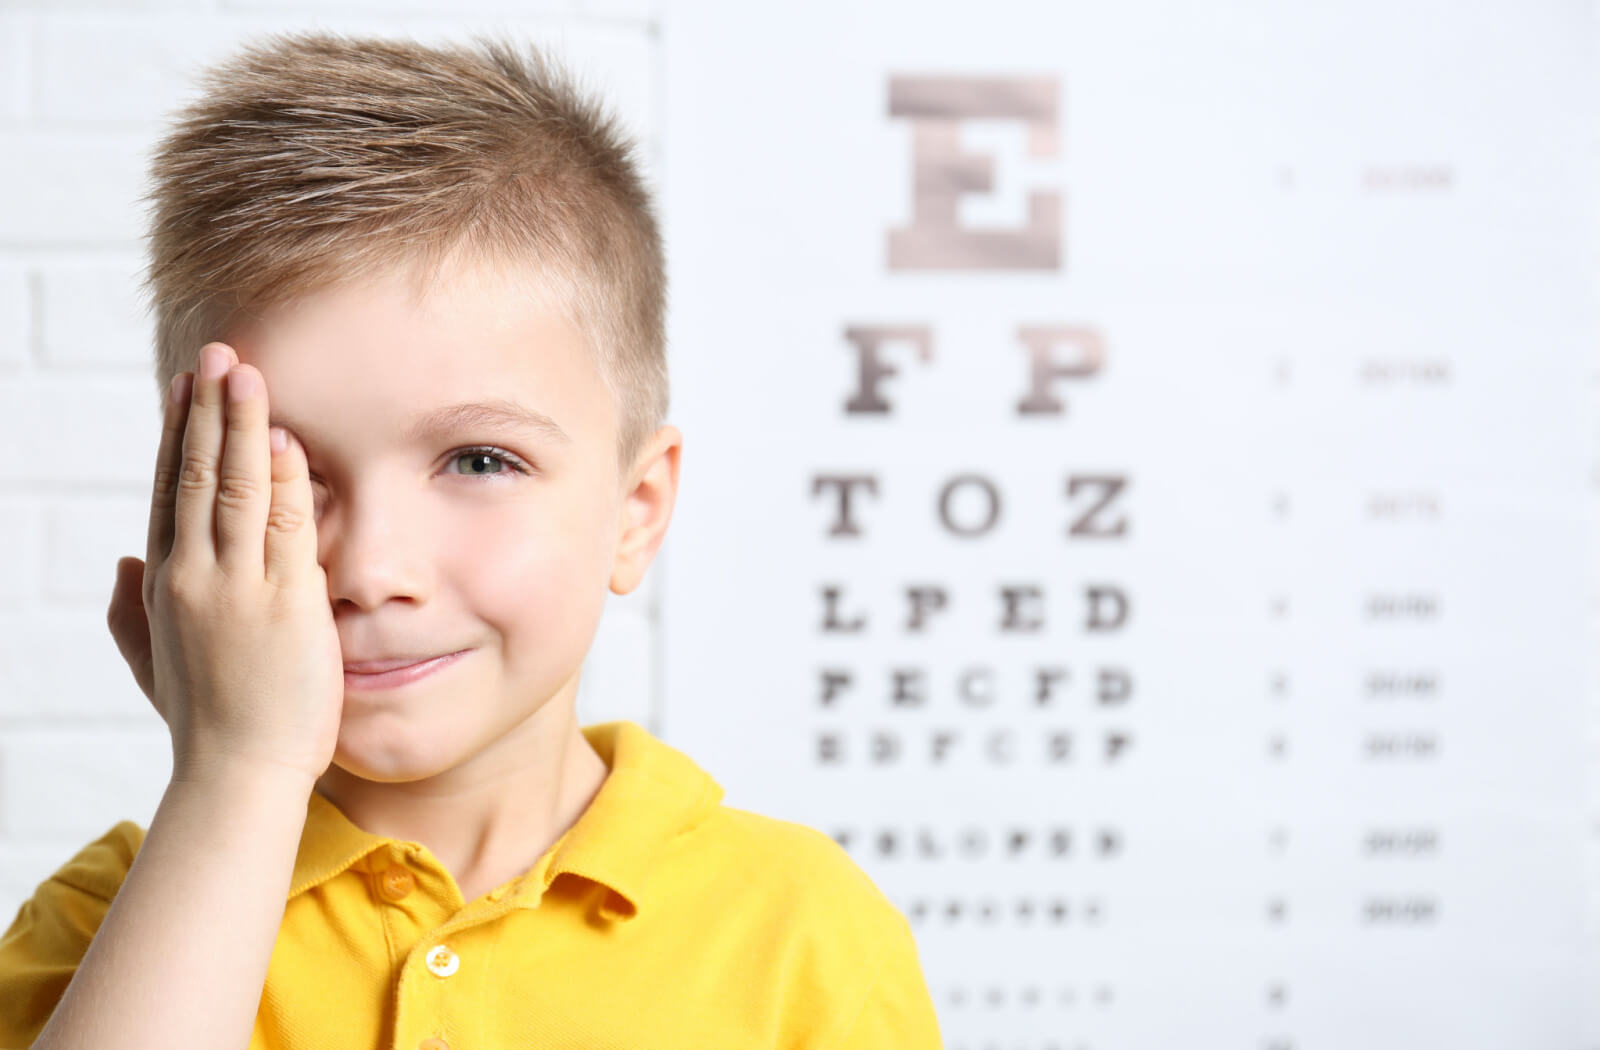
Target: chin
(394,757)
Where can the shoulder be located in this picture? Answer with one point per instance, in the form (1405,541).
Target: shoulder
(73,899)
(798,868)
(51,931)
(100,867)
(70,903)
(843,955)
(799,849)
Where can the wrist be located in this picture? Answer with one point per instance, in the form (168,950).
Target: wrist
(216,773)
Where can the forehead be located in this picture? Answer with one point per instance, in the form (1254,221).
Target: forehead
(480,346)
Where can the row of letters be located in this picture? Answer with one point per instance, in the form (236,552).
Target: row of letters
(1095,502)
(907,687)
(978,687)
(1029,996)
(975,842)
(1018,912)
(1105,609)
(997,747)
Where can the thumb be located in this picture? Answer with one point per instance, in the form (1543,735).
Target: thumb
(130,627)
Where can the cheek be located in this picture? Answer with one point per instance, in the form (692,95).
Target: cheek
(523,572)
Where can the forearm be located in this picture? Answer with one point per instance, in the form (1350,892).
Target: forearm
(181,957)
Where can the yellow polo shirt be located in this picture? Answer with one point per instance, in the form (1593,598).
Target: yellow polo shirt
(661,919)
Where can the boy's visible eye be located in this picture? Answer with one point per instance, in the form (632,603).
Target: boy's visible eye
(478,454)
(476,457)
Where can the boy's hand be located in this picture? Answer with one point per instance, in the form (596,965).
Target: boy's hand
(233,639)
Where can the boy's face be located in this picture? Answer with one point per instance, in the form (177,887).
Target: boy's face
(429,547)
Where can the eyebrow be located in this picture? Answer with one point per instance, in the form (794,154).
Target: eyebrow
(493,412)
(464,414)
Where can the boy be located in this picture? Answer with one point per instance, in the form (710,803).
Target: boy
(384,825)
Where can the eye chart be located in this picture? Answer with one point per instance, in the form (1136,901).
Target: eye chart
(1134,498)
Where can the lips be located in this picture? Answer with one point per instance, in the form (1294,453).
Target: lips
(379,666)
(376,666)
(404,675)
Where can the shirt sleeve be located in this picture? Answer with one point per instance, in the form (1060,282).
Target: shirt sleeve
(47,939)
(897,1013)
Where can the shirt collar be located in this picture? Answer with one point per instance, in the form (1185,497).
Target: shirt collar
(652,793)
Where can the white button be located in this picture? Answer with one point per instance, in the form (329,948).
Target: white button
(442,961)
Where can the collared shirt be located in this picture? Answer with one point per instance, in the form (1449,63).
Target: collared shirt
(660,919)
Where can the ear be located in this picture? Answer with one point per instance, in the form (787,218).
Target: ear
(647,508)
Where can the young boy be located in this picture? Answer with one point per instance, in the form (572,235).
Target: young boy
(436,271)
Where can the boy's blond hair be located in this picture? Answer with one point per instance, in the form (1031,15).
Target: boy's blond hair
(312,159)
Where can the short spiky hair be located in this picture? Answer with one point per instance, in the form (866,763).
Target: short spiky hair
(311,159)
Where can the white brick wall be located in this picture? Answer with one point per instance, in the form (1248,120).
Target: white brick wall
(16,316)
(15,66)
(85,90)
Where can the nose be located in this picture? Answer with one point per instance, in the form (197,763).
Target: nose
(370,551)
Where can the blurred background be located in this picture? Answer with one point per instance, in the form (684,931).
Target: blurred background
(1137,496)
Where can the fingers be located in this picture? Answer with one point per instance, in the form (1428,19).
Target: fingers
(130,626)
(194,518)
(291,520)
(244,479)
(169,460)
(221,488)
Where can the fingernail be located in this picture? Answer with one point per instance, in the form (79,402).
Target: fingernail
(241,384)
(181,384)
(213,362)
(280,439)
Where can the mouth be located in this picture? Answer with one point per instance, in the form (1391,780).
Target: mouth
(390,673)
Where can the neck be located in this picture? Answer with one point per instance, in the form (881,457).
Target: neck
(490,818)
